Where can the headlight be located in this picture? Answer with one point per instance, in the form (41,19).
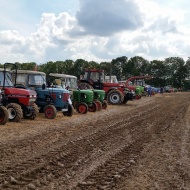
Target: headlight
(33,96)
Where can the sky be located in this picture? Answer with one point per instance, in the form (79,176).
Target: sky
(94,30)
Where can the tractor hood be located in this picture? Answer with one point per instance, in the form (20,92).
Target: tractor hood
(132,88)
(56,90)
(19,91)
(109,84)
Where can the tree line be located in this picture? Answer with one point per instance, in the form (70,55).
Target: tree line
(171,71)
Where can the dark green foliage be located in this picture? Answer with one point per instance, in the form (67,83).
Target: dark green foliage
(172,71)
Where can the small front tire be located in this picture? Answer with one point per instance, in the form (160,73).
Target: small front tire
(32,115)
(82,108)
(104,104)
(70,111)
(50,111)
(98,104)
(4,116)
(92,107)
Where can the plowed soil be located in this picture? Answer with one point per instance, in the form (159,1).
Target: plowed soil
(144,144)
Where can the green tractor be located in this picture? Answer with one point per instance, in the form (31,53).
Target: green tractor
(83,101)
(99,98)
(70,82)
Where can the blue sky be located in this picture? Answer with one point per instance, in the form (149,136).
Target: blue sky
(45,30)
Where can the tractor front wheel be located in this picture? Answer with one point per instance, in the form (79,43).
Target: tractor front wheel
(70,111)
(50,111)
(15,112)
(92,107)
(104,104)
(98,104)
(137,97)
(82,108)
(115,97)
(125,100)
(4,116)
(32,115)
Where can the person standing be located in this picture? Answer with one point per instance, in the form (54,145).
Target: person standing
(149,89)
(161,90)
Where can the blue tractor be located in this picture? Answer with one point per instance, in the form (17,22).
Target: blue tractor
(49,99)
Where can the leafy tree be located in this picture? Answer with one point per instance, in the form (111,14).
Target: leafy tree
(49,67)
(177,71)
(106,66)
(65,67)
(118,65)
(138,66)
(79,66)
(157,69)
(93,64)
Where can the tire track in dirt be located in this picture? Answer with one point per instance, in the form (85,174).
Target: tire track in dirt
(36,160)
(115,170)
(69,158)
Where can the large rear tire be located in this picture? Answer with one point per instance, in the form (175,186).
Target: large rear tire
(84,86)
(82,108)
(115,97)
(50,111)
(4,116)
(14,112)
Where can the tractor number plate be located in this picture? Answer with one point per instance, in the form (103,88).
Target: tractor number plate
(64,109)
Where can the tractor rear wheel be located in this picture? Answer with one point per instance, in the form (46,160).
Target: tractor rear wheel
(98,104)
(115,97)
(92,107)
(32,115)
(82,108)
(4,116)
(104,104)
(84,86)
(50,111)
(70,111)
(15,112)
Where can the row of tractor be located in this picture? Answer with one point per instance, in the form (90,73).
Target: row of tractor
(24,93)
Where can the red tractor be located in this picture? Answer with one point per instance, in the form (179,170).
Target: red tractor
(138,85)
(19,102)
(4,116)
(115,93)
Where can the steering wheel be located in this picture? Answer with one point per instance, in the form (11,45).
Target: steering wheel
(20,86)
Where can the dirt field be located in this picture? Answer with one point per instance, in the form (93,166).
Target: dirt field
(144,144)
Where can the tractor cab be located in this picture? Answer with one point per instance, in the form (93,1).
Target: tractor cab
(29,79)
(116,93)
(49,99)
(95,77)
(68,82)
(19,102)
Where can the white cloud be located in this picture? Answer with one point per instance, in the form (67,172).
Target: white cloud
(101,31)
(105,17)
